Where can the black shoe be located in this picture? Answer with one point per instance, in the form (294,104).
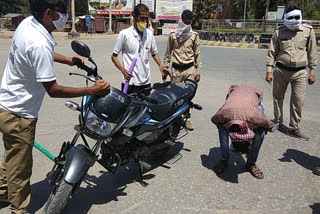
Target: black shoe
(220,166)
(281,127)
(278,126)
(297,134)
(316,171)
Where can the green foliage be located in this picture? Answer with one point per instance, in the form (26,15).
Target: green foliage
(203,9)
(309,8)
(14,6)
(255,9)
(81,7)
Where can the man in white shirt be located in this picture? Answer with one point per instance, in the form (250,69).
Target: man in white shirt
(28,75)
(138,42)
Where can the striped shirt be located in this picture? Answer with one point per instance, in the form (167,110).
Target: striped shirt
(242,106)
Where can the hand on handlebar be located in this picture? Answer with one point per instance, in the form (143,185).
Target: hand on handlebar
(76,60)
(100,88)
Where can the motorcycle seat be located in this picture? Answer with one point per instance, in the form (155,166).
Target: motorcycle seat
(170,99)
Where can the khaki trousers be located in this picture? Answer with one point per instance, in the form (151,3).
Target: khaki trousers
(16,169)
(178,75)
(298,81)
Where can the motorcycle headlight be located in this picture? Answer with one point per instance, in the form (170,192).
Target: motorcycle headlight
(97,125)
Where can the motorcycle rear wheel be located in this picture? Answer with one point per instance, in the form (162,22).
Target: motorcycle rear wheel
(58,199)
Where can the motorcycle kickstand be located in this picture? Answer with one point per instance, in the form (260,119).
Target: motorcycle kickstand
(142,165)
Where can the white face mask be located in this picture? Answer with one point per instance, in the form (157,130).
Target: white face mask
(290,22)
(183,31)
(61,22)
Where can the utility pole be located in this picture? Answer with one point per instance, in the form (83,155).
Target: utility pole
(110,17)
(73,32)
(265,16)
(244,14)
(228,9)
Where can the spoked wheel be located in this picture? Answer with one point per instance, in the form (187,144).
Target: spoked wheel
(58,198)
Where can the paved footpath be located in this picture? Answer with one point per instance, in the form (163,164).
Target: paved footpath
(183,181)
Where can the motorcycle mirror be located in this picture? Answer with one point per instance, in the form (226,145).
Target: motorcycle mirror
(80,48)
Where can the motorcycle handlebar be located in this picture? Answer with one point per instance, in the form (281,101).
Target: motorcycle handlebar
(90,72)
(86,68)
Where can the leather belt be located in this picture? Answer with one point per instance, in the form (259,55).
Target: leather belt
(279,65)
(183,66)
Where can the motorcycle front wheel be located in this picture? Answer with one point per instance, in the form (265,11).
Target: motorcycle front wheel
(58,199)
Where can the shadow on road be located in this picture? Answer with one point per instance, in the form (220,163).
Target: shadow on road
(236,164)
(303,159)
(105,187)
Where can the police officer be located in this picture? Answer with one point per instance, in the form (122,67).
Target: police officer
(292,49)
(183,49)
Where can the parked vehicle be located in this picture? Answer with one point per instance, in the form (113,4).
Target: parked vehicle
(125,129)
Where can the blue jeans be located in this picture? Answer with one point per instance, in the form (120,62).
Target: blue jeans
(255,146)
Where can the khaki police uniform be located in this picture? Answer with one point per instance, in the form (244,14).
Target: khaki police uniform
(18,136)
(289,55)
(185,56)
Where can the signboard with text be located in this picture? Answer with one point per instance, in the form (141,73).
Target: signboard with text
(118,7)
(149,3)
(171,10)
(167,28)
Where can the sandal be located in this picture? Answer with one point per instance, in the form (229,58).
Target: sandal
(220,167)
(256,172)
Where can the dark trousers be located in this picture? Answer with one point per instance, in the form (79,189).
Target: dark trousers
(136,89)
(254,149)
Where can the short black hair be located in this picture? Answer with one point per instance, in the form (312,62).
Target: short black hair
(292,8)
(137,9)
(38,7)
(187,14)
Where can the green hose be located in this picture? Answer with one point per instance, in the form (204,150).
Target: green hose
(44,151)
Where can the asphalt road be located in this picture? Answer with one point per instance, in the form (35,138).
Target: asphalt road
(183,182)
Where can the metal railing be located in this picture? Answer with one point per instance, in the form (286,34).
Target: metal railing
(249,26)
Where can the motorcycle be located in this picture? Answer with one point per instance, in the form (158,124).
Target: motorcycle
(125,129)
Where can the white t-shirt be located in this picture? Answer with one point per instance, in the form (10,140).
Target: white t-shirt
(30,63)
(132,46)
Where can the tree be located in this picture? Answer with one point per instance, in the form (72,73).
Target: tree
(310,9)
(203,9)
(14,6)
(81,7)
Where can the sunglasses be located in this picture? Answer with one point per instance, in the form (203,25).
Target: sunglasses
(294,17)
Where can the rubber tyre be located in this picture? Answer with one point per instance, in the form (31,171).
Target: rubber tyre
(58,200)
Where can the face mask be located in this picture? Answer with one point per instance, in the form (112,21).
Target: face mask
(141,26)
(293,23)
(183,31)
(61,22)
